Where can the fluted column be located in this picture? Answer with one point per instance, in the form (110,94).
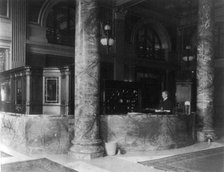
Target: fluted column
(18,15)
(205,66)
(66,93)
(28,90)
(67,87)
(86,143)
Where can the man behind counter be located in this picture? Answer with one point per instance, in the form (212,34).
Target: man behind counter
(166,103)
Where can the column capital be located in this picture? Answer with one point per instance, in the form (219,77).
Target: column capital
(28,71)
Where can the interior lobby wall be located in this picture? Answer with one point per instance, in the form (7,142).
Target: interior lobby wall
(219,75)
(219,101)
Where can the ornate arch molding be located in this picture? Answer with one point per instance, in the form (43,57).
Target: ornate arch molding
(45,10)
(158,27)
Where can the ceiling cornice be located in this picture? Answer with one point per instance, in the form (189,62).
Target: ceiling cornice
(127,3)
(59,50)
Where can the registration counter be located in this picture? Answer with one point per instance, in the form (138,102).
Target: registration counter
(148,131)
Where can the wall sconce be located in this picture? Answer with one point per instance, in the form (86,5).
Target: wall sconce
(107,40)
(189,57)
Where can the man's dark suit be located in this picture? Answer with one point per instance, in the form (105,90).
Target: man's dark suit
(166,104)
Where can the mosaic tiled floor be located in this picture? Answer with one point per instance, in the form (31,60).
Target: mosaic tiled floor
(211,160)
(38,165)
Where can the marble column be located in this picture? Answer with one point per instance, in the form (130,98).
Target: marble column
(205,66)
(87,143)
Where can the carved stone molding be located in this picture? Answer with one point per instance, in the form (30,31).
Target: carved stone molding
(52,49)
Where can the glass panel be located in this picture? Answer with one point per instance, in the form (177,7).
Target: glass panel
(19,90)
(51,90)
(6,92)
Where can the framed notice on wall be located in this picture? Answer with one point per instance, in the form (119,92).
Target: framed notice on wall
(51,90)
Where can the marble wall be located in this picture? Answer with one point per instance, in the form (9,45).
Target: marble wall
(36,133)
(144,132)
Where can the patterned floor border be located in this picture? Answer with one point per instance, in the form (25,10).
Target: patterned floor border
(37,165)
(168,163)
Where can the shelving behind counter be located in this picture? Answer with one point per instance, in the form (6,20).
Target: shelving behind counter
(121,97)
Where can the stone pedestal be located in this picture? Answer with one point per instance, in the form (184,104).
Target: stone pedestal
(86,142)
(205,66)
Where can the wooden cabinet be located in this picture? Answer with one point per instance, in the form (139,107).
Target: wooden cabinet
(33,90)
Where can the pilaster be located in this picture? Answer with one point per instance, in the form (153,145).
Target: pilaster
(18,15)
(28,89)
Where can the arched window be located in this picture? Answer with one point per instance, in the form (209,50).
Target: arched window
(61,24)
(148,44)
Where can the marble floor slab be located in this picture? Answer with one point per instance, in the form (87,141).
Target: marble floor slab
(117,163)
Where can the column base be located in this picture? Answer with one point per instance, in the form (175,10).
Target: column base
(209,134)
(206,135)
(85,156)
(87,150)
